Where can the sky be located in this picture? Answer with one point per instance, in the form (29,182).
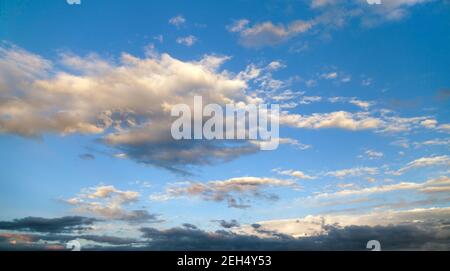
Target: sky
(86,89)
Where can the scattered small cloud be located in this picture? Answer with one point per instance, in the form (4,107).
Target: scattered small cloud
(187,41)
(177,21)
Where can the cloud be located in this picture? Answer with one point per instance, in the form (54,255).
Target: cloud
(371,154)
(328,76)
(338,119)
(267,33)
(425,162)
(313,225)
(357,171)
(177,20)
(129,111)
(235,191)
(188,40)
(444,127)
(429,123)
(73,2)
(52,241)
(381,121)
(409,236)
(109,202)
(329,15)
(433,142)
(87,156)
(335,13)
(294,173)
(130,107)
(310,99)
(228,224)
(438,185)
(362,104)
(50,225)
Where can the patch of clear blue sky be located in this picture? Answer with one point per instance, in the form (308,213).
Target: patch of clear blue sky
(407,60)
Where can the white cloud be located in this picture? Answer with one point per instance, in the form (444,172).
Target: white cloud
(429,123)
(433,142)
(177,20)
(188,40)
(294,173)
(363,104)
(358,171)
(425,162)
(371,154)
(275,65)
(109,202)
(267,33)
(312,225)
(338,119)
(330,75)
(444,127)
(238,25)
(126,103)
(309,99)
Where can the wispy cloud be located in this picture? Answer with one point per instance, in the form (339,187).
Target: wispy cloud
(237,192)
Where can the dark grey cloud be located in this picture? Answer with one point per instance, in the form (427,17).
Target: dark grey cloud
(393,237)
(227,224)
(53,225)
(16,241)
(189,226)
(179,156)
(141,216)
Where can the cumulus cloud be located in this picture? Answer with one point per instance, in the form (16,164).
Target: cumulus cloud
(127,103)
(414,229)
(52,241)
(329,15)
(267,33)
(109,202)
(235,191)
(438,185)
(309,99)
(312,225)
(338,14)
(433,142)
(371,154)
(382,121)
(408,236)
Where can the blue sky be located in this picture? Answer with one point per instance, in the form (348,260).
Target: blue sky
(364,91)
